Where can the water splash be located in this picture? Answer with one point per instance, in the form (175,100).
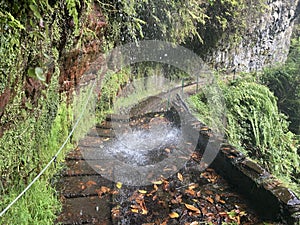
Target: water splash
(144,147)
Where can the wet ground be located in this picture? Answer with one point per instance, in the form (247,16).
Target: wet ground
(93,191)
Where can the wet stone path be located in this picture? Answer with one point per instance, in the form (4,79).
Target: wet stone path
(188,196)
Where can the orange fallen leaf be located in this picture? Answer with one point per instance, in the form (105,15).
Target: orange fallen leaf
(193,208)
(90,183)
(144,211)
(217,198)
(180,177)
(135,210)
(190,192)
(193,186)
(210,200)
(173,215)
(164,223)
(104,189)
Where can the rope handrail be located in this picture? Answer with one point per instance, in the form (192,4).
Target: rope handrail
(53,159)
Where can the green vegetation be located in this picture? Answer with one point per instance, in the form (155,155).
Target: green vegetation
(35,118)
(199,25)
(258,109)
(21,160)
(284,82)
(256,127)
(111,85)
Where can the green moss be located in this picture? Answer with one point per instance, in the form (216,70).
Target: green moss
(256,127)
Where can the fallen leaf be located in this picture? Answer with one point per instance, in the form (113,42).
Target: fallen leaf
(180,177)
(223,214)
(114,192)
(135,206)
(105,189)
(204,211)
(204,128)
(164,223)
(90,183)
(193,208)
(143,191)
(157,182)
(190,192)
(167,150)
(217,198)
(194,223)
(119,185)
(144,211)
(135,210)
(208,192)
(210,200)
(193,186)
(174,215)
(154,197)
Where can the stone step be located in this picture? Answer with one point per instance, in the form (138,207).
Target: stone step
(83,186)
(87,210)
(78,168)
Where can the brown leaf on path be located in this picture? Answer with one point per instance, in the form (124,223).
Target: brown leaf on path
(157,182)
(135,210)
(180,177)
(193,186)
(190,192)
(208,192)
(144,211)
(210,200)
(192,208)
(164,223)
(173,215)
(102,190)
(204,211)
(217,198)
(90,183)
(135,206)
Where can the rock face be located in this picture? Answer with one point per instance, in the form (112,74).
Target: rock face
(265,42)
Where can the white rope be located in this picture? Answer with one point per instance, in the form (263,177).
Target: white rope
(54,157)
